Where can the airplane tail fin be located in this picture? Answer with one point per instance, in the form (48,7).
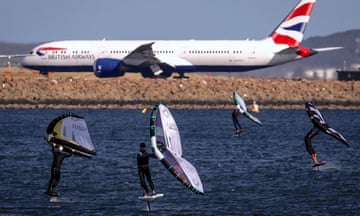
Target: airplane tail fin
(291,30)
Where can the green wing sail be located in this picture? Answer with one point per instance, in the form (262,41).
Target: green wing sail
(241,106)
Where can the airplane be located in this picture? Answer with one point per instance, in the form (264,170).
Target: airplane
(152,58)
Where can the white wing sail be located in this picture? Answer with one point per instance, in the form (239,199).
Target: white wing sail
(166,144)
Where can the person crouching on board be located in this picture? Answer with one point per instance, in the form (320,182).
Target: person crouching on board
(237,125)
(144,170)
(59,156)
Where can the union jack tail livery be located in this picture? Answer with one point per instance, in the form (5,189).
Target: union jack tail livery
(291,30)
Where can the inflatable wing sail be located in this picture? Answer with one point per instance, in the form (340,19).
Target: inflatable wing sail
(166,144)
(71,131)
(241,106)
(319,121)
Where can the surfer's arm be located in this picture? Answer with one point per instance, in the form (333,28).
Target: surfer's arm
(147,154)
(142,155)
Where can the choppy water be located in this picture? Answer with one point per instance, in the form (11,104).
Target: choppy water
(265,171)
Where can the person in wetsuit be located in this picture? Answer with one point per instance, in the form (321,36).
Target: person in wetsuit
(309,148)
(319,124)
(59,156)
(316,118)
(237,125)
(144,170)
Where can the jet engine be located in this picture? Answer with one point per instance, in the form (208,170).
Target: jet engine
(108,67)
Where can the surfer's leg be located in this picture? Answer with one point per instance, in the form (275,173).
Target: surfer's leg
(237,126)
(314,158)
(52,179)
(237,129)
(236,123)
(151,183)
(308,145)
(56,179)
(53,182)
(50,186)
(309,148)
(314,131)
(142,181)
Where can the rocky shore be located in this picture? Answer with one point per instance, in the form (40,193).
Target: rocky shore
(198,92)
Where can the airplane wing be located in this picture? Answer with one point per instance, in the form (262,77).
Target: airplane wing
(14,56)
(143,56)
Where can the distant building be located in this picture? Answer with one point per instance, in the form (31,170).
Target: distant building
(345,75)
(320,73)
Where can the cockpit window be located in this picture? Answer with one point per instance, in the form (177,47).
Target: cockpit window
(40,53)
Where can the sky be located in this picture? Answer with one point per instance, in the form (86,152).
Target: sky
(48,20)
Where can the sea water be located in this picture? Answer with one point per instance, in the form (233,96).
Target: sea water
(264,171)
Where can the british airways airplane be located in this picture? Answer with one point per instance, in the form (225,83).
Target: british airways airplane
(162,58)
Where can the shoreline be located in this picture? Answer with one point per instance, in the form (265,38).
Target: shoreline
(85,91)
(172,106)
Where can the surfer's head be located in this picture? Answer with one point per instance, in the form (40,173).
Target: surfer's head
(142,145)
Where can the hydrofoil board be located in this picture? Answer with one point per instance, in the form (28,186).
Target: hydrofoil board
(319,164)
(151,197)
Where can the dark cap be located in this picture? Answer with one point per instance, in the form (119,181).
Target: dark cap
(142,145)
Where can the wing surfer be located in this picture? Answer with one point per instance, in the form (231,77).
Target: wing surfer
(235,119)
(144,170)
(59,156)
(319,124)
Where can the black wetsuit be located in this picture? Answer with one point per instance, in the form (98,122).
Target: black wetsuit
(144,170)
(311,134)
(59,156)
(236,122)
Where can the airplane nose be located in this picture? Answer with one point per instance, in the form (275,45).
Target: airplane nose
(26,61)
(29,62)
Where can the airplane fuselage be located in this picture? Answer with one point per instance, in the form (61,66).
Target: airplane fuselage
(183,56)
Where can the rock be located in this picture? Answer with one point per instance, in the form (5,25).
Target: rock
(199,91)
